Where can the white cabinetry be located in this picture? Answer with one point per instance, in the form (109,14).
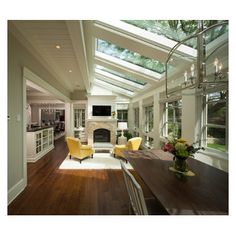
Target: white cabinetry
(39,143)
(79,123)
(80,134)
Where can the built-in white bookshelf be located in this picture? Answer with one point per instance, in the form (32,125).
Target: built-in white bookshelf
(39,143)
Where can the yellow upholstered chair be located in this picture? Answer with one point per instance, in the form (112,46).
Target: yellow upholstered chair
(78,150)
(132,145)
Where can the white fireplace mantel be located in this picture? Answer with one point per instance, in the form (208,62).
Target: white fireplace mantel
(102,120)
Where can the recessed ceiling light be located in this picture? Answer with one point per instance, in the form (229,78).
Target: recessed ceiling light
(70,71)
(58,47)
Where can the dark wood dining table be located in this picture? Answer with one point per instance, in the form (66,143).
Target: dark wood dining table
(206,193)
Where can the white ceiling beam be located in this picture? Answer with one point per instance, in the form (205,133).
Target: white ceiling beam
(115,83)
(138,40)
(114,88)
(127,68)
(118,80)
(75,29)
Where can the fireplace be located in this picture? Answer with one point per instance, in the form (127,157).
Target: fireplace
(96,124)
(102,136)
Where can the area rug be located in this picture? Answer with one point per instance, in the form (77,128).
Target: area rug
(99,161)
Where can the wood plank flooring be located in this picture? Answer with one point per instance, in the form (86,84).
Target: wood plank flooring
(52,191)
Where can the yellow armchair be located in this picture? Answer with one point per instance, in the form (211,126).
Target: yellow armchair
(132,145)
(77,150)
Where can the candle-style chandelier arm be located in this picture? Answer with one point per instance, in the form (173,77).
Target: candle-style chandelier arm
(196,78)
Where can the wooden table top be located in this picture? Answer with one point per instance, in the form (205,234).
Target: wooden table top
(205,193)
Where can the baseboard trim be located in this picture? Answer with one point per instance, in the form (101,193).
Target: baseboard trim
(16,190)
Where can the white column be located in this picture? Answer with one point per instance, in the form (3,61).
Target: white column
(131,117)
(69,119)
(189,118)
(141,118)
(156,121)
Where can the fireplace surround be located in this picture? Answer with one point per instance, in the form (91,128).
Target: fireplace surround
(107,124)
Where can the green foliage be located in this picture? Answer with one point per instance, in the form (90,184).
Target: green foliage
(129,56)
(126,134)
(219,147)
(179,29)
(180,148)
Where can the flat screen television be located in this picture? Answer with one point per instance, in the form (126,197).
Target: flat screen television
(101,110)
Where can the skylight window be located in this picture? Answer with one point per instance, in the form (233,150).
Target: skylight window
(112,86)
(121,75)
(172,29)
(129,56)
(178,29)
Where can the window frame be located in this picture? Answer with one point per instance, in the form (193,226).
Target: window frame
(122,111)
(148,127)
(205,125)
(164,126)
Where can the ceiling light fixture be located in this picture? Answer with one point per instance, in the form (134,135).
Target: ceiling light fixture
(70,71)
(58,47)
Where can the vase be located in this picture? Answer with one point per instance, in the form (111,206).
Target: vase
(180,164)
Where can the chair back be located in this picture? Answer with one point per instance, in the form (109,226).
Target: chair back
(74,145)
(135,192)
(134,143)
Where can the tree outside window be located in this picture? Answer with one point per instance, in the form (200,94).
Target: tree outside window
(215,129)
(172,118)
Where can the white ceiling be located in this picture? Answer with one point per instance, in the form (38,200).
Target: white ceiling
(73,65)
(43,36)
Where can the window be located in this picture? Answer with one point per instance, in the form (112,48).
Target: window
(113,86)
(79,117)
(122,115)
(148,142)
(136,117)
(125,77)
(179,29)
(215,126)
(172,115)
(148,118)
(129,56)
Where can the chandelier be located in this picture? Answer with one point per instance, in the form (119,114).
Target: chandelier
(203,66)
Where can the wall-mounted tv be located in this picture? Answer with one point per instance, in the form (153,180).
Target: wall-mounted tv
(101,110)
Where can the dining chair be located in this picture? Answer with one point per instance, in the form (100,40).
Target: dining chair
(135,192)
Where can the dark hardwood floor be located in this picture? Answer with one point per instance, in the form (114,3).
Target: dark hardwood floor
(52,191)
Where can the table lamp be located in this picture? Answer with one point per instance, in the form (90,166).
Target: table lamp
(122,126)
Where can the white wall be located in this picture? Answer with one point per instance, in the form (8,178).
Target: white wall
(189,118)
(97,90)
(18,57)
(100,100)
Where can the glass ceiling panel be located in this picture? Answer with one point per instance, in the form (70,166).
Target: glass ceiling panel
(177,29)
(129,56)
(121,75)
(115,85)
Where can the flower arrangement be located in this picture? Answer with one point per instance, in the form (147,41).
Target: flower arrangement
(180,148)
